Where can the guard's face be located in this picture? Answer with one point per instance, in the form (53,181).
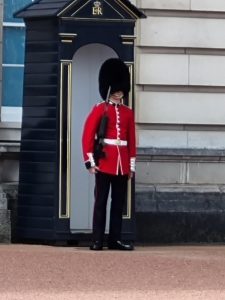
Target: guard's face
(117,95)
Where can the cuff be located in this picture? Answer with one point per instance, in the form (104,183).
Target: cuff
(132,164)
(90,163)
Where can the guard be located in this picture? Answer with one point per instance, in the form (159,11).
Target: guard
(109,150)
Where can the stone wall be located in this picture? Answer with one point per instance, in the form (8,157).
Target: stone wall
(9,172)
(180,74)
(5,226)
(180,115)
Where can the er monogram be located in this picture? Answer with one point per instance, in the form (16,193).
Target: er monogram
(97,8)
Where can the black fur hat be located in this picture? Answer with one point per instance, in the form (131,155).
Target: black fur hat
(114,73)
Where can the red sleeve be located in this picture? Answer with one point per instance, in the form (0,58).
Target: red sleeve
(90,130)
(132,136)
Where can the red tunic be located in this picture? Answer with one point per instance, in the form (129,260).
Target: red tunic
(120,126)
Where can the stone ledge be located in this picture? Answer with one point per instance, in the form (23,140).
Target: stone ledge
(10,125)
(9,147)
(10,132)
(9,151)
(180,188)
(180,198)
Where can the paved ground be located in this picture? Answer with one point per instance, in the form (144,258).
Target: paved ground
(43,272)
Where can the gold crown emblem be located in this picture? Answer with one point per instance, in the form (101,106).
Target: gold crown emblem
(97,3)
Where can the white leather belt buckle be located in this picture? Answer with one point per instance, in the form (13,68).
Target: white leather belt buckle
(115,142)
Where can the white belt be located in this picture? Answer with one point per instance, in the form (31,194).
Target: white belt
(115,142)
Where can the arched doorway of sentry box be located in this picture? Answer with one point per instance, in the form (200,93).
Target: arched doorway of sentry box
(85,94)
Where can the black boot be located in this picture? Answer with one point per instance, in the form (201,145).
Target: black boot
(118,245)
(97,245)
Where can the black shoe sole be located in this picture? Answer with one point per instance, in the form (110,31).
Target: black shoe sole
(121,249)
(96,248)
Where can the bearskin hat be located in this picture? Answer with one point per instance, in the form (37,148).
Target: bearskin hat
(114,73)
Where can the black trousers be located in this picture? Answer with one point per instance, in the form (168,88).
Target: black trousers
(118,184)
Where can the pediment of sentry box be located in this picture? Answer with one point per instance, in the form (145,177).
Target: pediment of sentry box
(98,9)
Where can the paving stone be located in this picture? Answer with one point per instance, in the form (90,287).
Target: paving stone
(5,235)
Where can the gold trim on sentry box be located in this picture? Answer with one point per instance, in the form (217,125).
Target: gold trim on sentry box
(130,104)
(68,87)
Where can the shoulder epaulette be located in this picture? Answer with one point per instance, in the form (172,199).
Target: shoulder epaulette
(100,102)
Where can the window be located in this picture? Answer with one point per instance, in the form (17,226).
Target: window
(13,57)
(11,6)
(13,46)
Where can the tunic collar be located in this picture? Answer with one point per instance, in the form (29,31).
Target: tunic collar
(114,104)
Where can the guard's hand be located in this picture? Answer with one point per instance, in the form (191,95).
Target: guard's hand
(131,174)
(93,170)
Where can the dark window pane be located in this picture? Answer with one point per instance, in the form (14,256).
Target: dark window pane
(12,86)
(11,6)
(13,45)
